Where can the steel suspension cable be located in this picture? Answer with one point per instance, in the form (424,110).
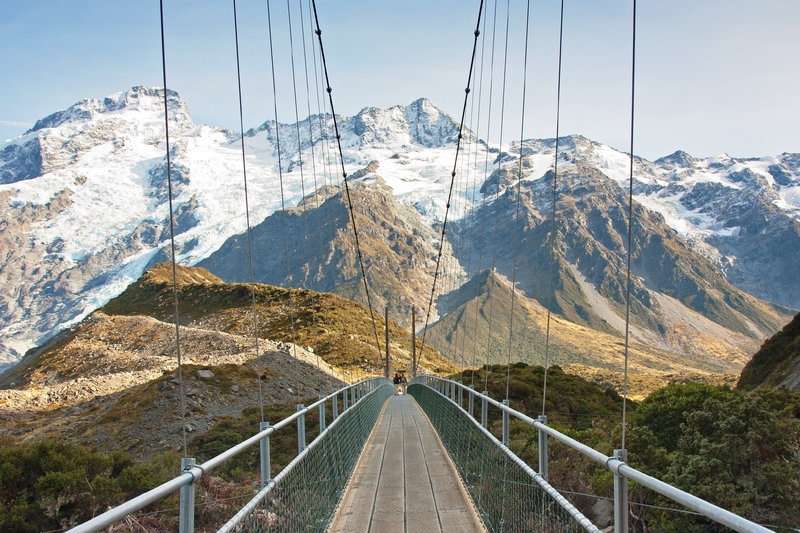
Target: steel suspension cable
(458,235)
(485,178)
(303,214)
(497,184)
(452,180)
(328,165)
(172,234)
(519,195)
(280,178)
(472,200)
(630,231)
(465,195)
(469,191)
(328,88)
(323,137)
(313,166)
(247,208)
(553,214)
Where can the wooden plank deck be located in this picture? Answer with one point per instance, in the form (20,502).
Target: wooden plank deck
(404,481)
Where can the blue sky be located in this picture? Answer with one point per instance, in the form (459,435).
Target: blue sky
(712,76)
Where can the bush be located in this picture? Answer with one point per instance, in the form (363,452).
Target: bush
(739,453)
(666,409)
(52,484)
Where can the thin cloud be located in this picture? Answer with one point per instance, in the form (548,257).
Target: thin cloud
(15,124)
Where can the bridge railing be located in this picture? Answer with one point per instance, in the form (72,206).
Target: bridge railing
(293,500)
(467,400)
(509,495)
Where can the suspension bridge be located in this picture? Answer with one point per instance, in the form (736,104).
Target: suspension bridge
(431,460)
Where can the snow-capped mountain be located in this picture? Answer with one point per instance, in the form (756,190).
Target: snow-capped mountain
(743,214)
(85,195)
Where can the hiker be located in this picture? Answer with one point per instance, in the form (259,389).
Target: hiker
(396,380)
(403,383)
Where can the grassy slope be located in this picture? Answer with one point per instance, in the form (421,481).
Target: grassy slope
(772,363)
(339,330)
(570,343)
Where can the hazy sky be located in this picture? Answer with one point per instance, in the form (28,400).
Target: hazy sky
(712,75)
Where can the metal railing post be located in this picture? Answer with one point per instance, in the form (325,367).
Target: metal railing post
(543,448)
(620,496)
(344,400)
(186,519)
(484,408)
(266,475)
(505,424)
(301,429)
(335,406)
(472,401)
(321,414)
(452,390)
(460,395)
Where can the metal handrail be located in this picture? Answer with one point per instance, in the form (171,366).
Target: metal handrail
(266,489)
(620,468)
(584,522)
(196,472)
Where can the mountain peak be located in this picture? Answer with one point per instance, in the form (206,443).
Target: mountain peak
(138,97)
(419,123)
(424,104)
(677,158)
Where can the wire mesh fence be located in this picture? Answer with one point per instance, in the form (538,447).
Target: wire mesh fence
(508,495)
(304,496)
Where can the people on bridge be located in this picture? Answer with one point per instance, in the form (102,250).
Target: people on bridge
(396,381)
(403,383)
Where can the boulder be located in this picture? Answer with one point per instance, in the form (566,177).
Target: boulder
(205,375)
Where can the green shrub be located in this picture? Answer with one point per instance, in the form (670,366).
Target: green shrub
(53,484)
(666,409)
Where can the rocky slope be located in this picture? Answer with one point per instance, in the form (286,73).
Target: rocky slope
(113,376)
(398,248)
(337,330)
(484,305)
(114,380)
(680,302)
(724,207)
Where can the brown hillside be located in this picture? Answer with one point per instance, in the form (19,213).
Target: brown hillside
(339,330)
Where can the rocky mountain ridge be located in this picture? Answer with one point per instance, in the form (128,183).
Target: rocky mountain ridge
(398,248)
(85,211)
(85,196)
(678,295)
